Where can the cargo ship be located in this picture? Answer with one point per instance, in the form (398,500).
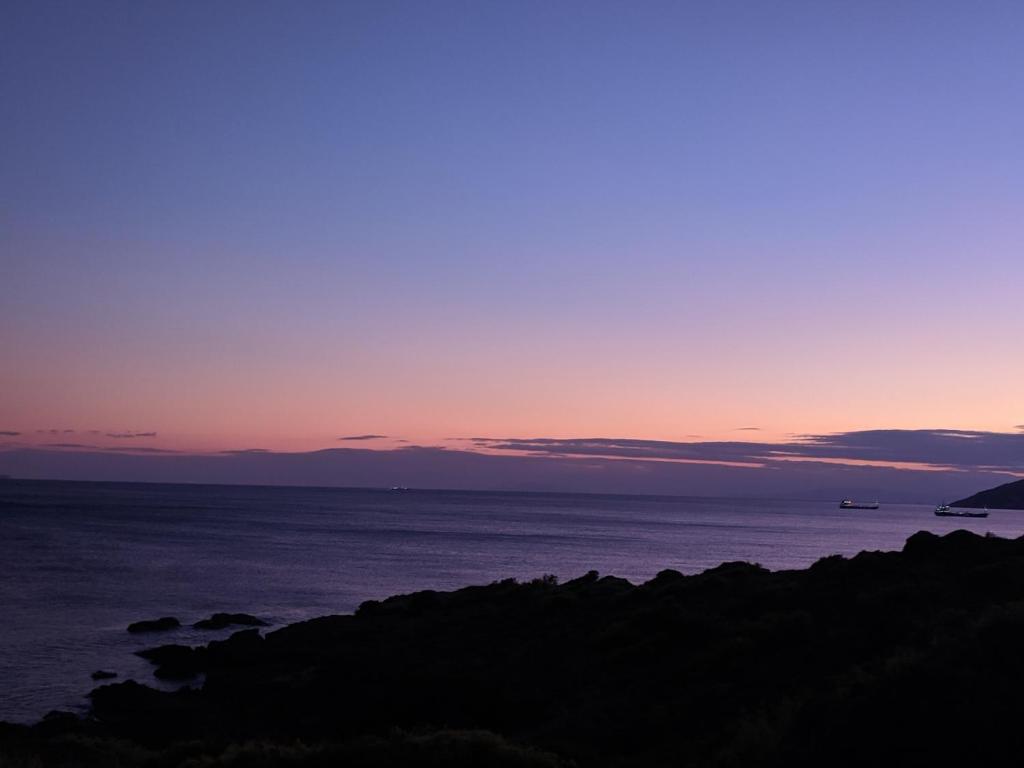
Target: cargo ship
(851,504)
(944,510)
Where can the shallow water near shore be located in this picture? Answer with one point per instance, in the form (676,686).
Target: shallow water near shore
(80,561)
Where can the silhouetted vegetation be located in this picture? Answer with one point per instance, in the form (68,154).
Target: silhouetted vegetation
(908,658)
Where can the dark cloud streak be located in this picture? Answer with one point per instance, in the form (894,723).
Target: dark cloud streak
(109,449)
(960,462)
(953,449)
(435,468)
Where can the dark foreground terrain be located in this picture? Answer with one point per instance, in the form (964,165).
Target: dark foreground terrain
(912,658)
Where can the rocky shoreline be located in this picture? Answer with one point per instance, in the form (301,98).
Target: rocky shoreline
(900,658)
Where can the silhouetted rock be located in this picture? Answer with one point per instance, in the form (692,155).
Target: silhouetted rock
(135,711)
(55,723)
(903,659)
(59,715)
(101,674)
(1006,496)
(222,620)
(155,625)
(175,662)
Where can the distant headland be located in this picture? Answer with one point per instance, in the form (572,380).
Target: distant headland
(1006,496)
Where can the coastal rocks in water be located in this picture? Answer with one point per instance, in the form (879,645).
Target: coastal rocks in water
(154,625)
(222,620)
(102,674)
(55,723)
(856,661)
(142,711)
(180,662)
(240,653)
(175,662)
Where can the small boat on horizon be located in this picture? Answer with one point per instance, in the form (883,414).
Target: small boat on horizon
(851,504)
(944,510)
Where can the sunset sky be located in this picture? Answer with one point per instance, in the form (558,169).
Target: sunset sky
(233,226)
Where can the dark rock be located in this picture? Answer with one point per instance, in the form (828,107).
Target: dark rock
(155,625)
(242,651)
(101,674)
(175,662)
(368,608)
(222,620)
(828,563)
(145,714)
(59,714)
(901,659)
(56,723)
(588,578)
(922,543)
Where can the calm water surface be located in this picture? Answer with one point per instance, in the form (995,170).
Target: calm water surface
(80,561)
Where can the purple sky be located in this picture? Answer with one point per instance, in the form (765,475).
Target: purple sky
(266,225)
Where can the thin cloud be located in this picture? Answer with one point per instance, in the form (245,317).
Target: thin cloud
(109,449)
(9,433)
(130,435)
(747,429)
(945,448)
(364,437)
(137,449)
(432,467)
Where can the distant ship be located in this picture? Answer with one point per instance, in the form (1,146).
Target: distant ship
(944,510)
(851,504)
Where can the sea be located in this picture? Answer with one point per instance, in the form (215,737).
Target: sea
(80,561)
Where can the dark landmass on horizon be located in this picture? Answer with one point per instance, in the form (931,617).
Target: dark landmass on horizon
(1006,496)
(943,464)
(907,658)
(823,496)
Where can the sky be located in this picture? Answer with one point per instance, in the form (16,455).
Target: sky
(259,225)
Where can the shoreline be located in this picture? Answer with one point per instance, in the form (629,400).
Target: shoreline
(734,661)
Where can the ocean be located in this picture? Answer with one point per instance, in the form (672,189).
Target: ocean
(80,561)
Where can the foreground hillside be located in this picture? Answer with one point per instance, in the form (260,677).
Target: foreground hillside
(1006,496)
(908,658)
